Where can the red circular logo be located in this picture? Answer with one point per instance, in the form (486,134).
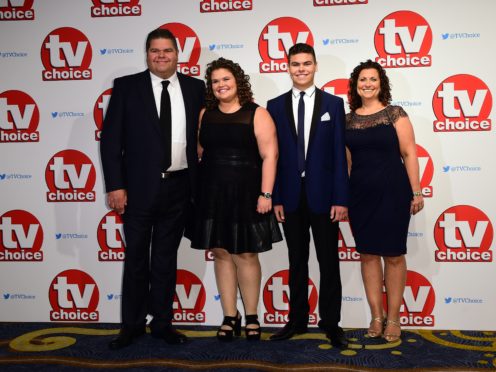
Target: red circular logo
(190,298)
(418,303)
(462,103)
(403,39)
(110,238)
(189,48)
(276,38)
(99,111)
(21,237)
(426,166)
(346,243)
(70,176)
(276,299)
(338,87)
(17,10)
(73,296)
(463,233)
(19,117)
(66,55)
(119,8)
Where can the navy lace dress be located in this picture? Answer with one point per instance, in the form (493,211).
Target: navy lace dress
(381,194)
(230,181)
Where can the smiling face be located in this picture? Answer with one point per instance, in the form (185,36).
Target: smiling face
(224,85)
(161,58)
(301,69)
(369,84)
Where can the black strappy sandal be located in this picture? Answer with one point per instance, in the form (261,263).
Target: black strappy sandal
(228,334)
(252,334)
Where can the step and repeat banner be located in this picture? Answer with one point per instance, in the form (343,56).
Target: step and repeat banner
(61,249)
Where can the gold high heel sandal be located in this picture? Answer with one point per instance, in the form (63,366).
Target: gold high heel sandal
(371,333)
(393,337)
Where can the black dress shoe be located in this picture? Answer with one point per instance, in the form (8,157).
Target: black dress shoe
(337,338)
(125,338)
(170,335)
(288,331)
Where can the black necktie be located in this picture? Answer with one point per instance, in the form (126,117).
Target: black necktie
(301,134)
(166,123)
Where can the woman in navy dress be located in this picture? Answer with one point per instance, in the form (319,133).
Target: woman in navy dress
(385,191)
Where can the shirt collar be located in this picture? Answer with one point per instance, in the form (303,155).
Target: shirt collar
(156,80)
(309,91)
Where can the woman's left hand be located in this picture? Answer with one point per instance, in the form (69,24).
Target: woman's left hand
(417,204)
(264,205)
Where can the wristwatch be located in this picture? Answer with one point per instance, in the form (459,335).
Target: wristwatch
(266,195)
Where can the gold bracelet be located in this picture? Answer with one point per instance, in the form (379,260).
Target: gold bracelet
(417,193)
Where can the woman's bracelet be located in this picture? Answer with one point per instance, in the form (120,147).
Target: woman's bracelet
(417,193)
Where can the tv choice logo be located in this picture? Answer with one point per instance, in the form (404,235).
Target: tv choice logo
(462,103)
(16,10)
(426,166)
(70,176)
(74,297)
(66,55)
(276,299)
(338,87)
(189,300)
(99,111)
(338,2)
(346,243)
(419,299)
(403,39)
(110,236)
(208,6)
(21,237)
(189,47)
(115,8)
(463,233)
(276,38)
(19,117)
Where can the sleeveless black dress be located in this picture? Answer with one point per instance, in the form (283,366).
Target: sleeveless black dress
(230,181)
(381,194)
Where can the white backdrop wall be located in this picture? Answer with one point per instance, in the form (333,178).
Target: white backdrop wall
(61,249)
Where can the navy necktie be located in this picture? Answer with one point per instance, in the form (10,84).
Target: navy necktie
(166,123)
(301,134)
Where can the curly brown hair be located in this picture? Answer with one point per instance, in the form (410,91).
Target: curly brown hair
(243,85)
(385,91)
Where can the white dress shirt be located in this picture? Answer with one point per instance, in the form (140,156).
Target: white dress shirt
(178,114)
(309,99)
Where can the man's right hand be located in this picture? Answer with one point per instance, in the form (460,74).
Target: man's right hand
(279,212)
(117,200)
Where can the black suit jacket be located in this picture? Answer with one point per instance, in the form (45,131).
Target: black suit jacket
(131,142)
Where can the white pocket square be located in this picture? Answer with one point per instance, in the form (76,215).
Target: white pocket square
(325,117)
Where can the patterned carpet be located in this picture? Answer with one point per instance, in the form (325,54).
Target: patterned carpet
(83,347)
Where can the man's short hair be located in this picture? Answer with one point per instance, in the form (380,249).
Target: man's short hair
(301,48)
(161,33)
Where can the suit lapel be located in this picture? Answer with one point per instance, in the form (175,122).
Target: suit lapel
(290,114)
(316,115)
(146,91)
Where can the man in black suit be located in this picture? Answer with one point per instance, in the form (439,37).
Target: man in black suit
(149,160)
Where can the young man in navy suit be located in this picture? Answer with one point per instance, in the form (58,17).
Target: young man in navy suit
(311,191)
(149,159)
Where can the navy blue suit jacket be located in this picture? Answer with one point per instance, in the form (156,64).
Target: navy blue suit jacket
(326,170)
(131,142)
